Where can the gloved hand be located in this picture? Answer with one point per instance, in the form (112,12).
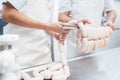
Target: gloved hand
(109,24)
(73,22)
(57,28)
(85,21)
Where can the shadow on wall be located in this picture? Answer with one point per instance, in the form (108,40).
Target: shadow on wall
(2,23)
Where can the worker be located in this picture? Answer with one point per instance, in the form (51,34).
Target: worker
(31,20)
(87,11)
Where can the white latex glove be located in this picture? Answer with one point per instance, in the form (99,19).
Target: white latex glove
(73,22)
(109,24)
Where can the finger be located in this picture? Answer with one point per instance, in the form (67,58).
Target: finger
(62,38)
(85,21)
(105,25)
(62,42)
(65,31)
(111,26)
(73,22)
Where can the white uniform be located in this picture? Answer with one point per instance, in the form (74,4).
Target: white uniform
(93,11)
(33,45)
(88,9)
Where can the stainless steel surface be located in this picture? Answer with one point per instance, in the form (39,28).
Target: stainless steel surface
(103,65)
(86,69)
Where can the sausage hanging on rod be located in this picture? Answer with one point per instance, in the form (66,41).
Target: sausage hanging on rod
(90,38)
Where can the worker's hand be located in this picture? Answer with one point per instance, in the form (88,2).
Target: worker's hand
(54,34)
(85,21)
(109,24)
(57,27)
(76,22)
(60,37)
(59,34)
(73,22)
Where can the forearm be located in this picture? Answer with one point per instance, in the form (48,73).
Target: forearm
(11,15)
(111,15)
(64,17)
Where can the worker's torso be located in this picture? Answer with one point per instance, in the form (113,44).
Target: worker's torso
(89,9)
(33,45)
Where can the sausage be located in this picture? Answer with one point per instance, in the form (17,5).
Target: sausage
(67,71)
(84,44)
(56,67)
(25,76)
(59,77)
(58,72)
(47,74)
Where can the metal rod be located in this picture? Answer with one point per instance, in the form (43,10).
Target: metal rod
(52,50)
(117,28)
(68,26)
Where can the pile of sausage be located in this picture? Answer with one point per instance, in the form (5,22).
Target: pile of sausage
(52,71)
(90,38)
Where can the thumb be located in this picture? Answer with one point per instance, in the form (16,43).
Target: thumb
(86,21)
(73,22)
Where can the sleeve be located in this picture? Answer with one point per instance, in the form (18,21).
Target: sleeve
(18,4)
(108,5)
(64,5)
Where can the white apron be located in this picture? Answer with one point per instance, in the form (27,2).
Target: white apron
(33,45)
